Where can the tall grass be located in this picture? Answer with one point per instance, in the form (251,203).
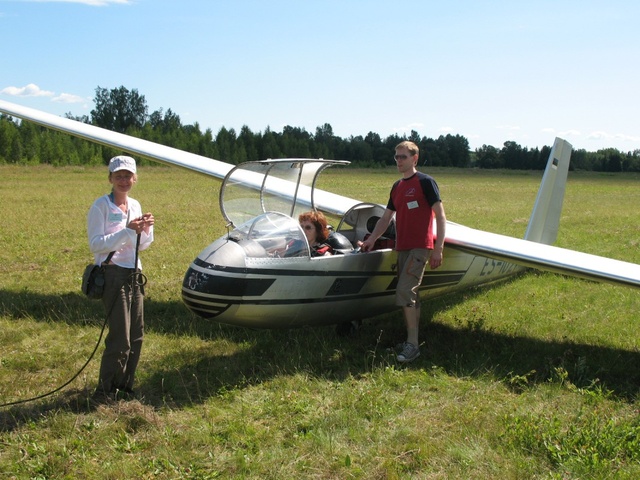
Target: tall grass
(537,377)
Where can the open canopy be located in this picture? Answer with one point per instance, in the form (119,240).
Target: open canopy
(284,185)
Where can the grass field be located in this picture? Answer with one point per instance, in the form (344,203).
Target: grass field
(538,377)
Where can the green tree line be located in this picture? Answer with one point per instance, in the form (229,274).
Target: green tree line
(126,111)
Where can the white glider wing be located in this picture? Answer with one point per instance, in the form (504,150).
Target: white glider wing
(542,257)
(522,252)
(326,201)
(136,146)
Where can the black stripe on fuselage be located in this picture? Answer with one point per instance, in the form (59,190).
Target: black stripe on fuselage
(434,280)
(346,287)
(288,272)
(203,308)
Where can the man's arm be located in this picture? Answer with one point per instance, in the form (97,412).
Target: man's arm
(381,226)
(435,260)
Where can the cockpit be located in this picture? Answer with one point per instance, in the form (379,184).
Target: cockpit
(271,234)
(262,201)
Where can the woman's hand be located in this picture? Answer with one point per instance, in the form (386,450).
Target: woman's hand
(142,224)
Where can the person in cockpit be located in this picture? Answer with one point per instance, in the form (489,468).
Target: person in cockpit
(314,225)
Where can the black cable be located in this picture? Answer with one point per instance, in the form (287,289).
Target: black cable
(18,402)
(138,279)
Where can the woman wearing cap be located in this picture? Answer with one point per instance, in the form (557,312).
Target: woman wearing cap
(114,223)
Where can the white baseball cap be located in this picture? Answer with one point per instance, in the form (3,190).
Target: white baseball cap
(122,162)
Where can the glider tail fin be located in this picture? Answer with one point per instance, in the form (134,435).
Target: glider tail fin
(545,217)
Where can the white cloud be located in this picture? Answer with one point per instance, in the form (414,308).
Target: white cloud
(93,3)
(570,133)
(600,135)
(628,138)
(407,128)
(68,98)
(31,90)
(563,134)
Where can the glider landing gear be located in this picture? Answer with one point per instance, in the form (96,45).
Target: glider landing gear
(348,329)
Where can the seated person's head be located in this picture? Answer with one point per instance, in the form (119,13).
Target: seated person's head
(315,226)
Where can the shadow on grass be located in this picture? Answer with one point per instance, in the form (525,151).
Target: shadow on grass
(234,357)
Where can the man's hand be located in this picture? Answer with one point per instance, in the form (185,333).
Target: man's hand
(435,259)
(367,245)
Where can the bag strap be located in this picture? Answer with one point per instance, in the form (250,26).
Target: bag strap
(108,259)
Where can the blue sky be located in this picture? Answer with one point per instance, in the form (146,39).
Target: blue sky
(493,71)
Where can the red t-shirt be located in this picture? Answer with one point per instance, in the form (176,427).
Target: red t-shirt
(412,198)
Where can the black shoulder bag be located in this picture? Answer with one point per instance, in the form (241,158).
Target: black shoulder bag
(93,279)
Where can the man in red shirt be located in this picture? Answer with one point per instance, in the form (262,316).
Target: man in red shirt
(415,201)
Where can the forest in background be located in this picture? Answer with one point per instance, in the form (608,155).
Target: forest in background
(126,111)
